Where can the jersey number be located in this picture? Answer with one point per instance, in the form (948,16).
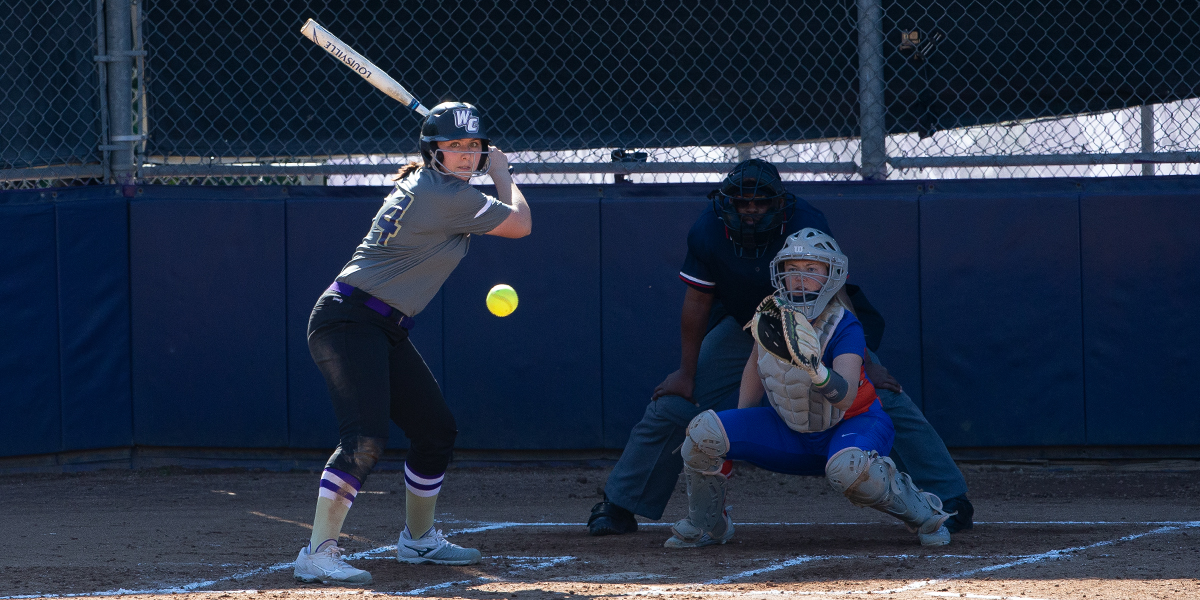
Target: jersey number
(389,220)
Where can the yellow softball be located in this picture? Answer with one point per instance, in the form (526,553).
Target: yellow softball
(502,300)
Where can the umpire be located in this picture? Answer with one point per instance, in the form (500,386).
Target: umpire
(726,281)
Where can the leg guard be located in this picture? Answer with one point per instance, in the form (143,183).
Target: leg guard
(867,479)
(357,455)
(703,453)
(708,519)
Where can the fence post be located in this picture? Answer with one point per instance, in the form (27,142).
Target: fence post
(119,41)
(870,89)
(1147,136)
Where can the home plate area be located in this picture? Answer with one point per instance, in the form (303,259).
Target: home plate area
(1039,533)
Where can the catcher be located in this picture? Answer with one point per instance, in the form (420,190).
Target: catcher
(824,417)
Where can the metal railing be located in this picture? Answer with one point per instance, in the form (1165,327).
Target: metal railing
(148,90)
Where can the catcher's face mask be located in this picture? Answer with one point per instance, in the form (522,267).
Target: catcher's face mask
(808,271)
(804,279)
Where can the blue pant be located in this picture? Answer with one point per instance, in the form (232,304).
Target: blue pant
(644,478)
(758,436)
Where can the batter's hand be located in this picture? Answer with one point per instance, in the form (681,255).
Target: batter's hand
(498,167)
(879,375)
(676,384)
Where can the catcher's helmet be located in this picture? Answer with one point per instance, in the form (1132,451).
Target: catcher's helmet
(752,186)
(453,121)
(815,245)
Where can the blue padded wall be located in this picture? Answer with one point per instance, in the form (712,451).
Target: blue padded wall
(1016,311)
(1141,282)
(209,323)
(29,355)
(876,226)
(643,243)
(1000,313)
(324,225)
(530,380)
(93,301)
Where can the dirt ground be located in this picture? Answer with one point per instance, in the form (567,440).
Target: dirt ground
(1041,532)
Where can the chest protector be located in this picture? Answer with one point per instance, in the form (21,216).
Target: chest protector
(788,386)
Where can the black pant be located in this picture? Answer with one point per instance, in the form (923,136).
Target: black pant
(374,372)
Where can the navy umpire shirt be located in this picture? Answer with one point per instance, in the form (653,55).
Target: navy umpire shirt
(740,284)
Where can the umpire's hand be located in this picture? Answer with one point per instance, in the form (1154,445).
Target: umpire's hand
(879,375)
(676,384)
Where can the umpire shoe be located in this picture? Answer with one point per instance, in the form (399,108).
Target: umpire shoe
(433,549)
(326,565)
(609,519)
(962,520)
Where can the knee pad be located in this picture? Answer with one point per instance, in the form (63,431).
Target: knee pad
(706,444)
(357,455)
(862,477)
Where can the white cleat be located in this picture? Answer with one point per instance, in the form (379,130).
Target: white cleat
(326,566)
(433,549)
(941,537)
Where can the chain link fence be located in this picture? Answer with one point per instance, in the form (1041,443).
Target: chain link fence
(217,93)
(50,99)
(983,88)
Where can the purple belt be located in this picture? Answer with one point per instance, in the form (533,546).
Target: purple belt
(375,304)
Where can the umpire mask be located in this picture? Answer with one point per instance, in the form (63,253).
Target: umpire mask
(753,205)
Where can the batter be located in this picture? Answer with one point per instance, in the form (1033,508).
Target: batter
(358,336)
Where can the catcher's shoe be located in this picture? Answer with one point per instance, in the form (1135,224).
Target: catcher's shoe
(609,519)
(326,566)
(433,549)
(941,537)
(962,520)
(687,536)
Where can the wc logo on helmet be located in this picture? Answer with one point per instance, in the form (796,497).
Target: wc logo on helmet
(464,120)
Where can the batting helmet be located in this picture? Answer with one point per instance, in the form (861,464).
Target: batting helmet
(453,121)
(754,206)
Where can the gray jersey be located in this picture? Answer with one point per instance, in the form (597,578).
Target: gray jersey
(418,237)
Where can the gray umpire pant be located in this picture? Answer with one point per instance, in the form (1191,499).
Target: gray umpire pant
(645,476)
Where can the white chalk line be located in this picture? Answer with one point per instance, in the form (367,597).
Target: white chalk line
(1167,526)
(981,596)
(1052,554)
(439,586)
(511,524)
(1033,558)
(803,559)
(544,562)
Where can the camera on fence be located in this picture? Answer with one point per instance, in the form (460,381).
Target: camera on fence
(917,49)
